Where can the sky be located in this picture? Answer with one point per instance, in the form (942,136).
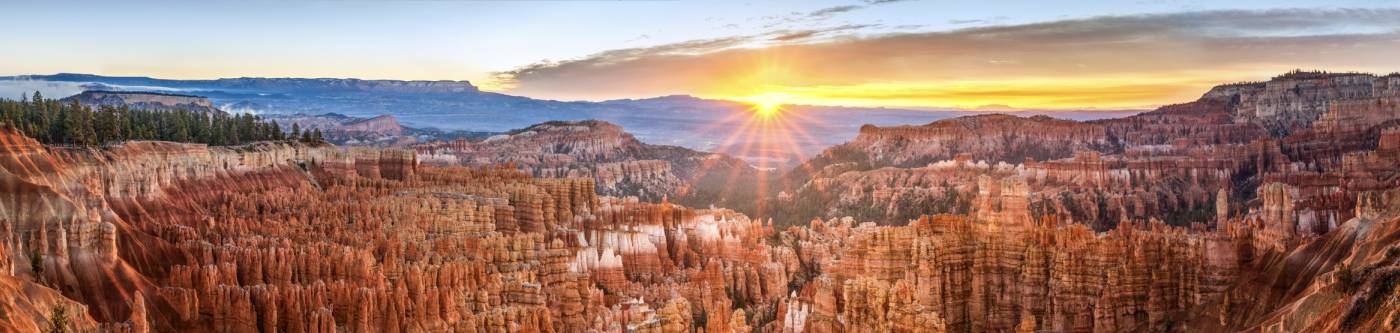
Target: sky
(910,53)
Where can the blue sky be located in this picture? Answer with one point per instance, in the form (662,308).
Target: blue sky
(479,40)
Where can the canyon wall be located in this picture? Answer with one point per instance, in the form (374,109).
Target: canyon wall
(1300,128)
(1178,220)
(153,236)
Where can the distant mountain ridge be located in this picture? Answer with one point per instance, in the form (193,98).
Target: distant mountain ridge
(298,84)
(680,120)
(382,130)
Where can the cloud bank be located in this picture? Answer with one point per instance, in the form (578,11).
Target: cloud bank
(1103,61)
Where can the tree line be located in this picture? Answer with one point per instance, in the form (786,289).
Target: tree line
(52,121)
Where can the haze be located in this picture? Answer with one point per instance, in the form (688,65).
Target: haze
(911,54)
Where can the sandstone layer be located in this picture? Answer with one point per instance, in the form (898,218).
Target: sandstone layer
(1190,222)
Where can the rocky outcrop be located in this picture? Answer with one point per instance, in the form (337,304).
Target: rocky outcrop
(384,125)
(1267,184)
(144,101)
(69,208)
(995,138)
(621,165)
(296,238)
(1296,100)
(281,237)
(378,131)
(1301,129)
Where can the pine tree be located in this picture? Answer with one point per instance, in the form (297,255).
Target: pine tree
(58,319)
(53,122)
(277,132)
(40,118)
(36,264)
(77,125)
(57,131)
(107,126)
(179,129)
(296,131)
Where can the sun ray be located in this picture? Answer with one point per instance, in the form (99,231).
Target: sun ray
(768,105)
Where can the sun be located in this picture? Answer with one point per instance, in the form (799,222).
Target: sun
(768,105)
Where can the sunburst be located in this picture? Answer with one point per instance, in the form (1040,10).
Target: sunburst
(768,105)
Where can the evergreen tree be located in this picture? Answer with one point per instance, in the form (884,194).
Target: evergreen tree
(58,319)
(57,130)
(77,125)
(107,126)
(36,264)
(296,131)
(277,132)
(53,122)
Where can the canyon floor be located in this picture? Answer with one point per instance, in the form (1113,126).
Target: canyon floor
(1262,207)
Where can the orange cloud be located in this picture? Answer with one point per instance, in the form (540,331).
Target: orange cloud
(1096,62)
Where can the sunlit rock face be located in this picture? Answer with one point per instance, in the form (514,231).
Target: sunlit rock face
(1296,100)
(282,237)
(1307,130)
(973,275)
(297,238)
(995,138)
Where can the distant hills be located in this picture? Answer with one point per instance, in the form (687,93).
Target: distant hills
(380,131)
(383,130)
(696,123)
(259,83)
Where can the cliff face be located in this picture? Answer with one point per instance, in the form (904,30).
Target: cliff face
(65,209)
(144,101)
(1169,163)
(620,164)
(154,236)
(272,237)
(384,125)
(996,138)
(959,274)
(1294,101)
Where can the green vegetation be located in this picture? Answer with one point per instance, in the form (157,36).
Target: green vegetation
(53,122)
(1347,279)
(58,319)
(36,264)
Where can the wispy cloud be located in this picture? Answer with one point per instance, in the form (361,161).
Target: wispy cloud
(821,14)
(978,21)
(1193,50)
(789,36)
(832,11)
